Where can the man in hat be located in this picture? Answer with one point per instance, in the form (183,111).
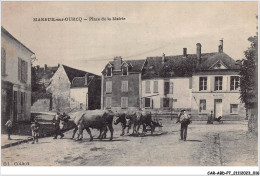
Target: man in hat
(56,123)
(185,121)
(9,126)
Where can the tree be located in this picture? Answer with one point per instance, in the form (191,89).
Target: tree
(248,75)
(248,82)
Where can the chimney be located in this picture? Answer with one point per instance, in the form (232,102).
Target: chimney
(199,52)
(45,67)
(86,79)
(220,47)
(117,63)
(163,58)
(185,52)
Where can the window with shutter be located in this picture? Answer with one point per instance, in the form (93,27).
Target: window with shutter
(124,102)
(147,87)
(19,101)
(3,61)
(234,82)
(171,88)
(19,69)
(108,102)
(109,86)
(147,102)
(155,87)
(124,86)
(166,87)
(218,82)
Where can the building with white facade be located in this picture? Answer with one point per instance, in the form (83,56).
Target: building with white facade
(200,83)
(15,78)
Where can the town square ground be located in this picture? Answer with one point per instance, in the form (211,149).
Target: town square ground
(227,144)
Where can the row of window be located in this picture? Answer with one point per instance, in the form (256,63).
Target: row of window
(124,86)
(203,107)
(109,71)
(124,102)
(166,103)
(234,83)
(168,87)
(22,67)
(19,101)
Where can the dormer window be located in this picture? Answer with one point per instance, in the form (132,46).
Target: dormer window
(124,70)
(109,71)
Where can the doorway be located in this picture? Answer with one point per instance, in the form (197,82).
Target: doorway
(218,108)
(15,106)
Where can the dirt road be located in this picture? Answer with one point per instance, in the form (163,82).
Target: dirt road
(207,145)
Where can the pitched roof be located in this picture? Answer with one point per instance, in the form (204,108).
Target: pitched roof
(72,73)
(80,81)
(181,66)
(11,36)
(135,65)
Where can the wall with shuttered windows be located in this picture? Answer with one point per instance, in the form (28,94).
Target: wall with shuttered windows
(176,90)
(18,72)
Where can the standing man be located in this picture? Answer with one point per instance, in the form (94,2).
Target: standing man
(185,121)
(9,126)
(56,123)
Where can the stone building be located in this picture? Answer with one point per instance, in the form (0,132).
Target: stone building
(68,85)
(16,78)
(121,84)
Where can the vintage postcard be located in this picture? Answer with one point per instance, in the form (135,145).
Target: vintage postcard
(130,84)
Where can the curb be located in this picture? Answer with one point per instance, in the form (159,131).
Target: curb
(29,139)
(25,140)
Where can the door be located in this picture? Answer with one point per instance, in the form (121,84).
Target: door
(218,108)
(15,106)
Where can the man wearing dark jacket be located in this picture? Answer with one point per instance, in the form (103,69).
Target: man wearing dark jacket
(56,123)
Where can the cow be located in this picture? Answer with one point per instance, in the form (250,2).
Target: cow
(142,118)
(98,119)
(121,118)
(67,121)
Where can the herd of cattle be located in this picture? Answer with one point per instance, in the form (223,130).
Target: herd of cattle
(103,120)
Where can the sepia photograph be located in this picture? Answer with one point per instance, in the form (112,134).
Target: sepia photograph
(130,84)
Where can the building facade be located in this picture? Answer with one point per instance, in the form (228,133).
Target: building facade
(16,78)
(85,93)
(66,86)
(199,83)
(121,84)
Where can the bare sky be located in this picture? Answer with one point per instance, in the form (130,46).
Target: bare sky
(150,29)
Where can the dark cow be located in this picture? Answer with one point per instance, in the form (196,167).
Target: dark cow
(142,118)
(121,118)
(98,119)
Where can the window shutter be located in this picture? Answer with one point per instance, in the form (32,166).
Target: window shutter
(143,102)
(190,83)
(161,103)
(19,101)
(3,58)
(171,88)
(19,68)
(25,101)
(155,86)
(170,102)
(151,103)
(26,71)
(126,102)
(126,86)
